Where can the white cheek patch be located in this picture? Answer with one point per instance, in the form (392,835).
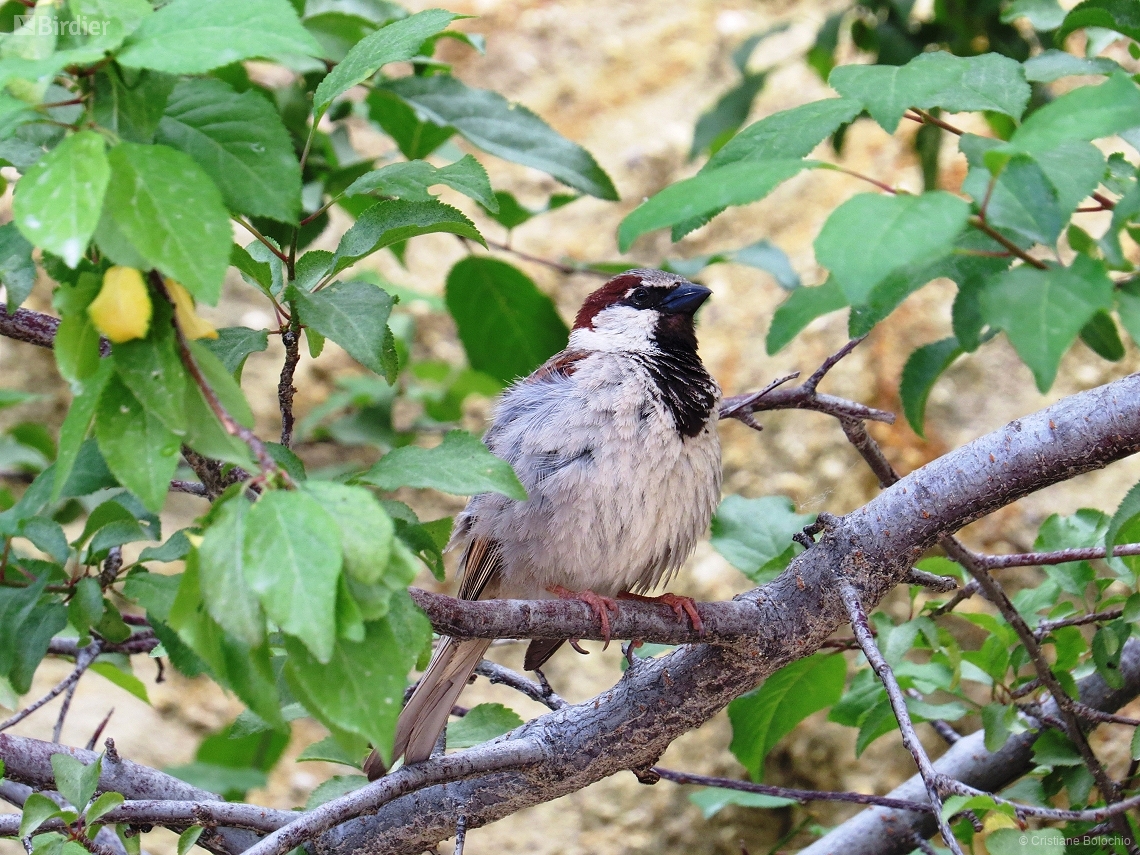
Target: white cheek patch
(618,328)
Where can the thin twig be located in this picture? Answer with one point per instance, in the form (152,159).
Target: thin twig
(882,185)
(926,118)
(930,776)
(460,834)
(542,693)
(1047,626)
(285,390)
(64,707)
(83,660)
(1060,556)
(563,268)
(266,242)
(192,487)
(99,730)
(984,227)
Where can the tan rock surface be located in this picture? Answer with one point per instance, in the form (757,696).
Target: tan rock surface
(628,79)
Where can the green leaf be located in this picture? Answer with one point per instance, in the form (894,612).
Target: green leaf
(240,142)
(58,201)
(482,723)
(1012,841)
(355,316)
(1123,16)
(292,560)
(508,327)
(366,530)
(227,595)
(361,687)
(188,838)
(131,108)
(225,780)
(122,678)
(1055,64)
(138,448)
(1087,527)
(77,423)
(1043,15)
(15,397)
(936,79)
(1043,311)
(461,464)
(195,36)
(334,788)
(396,220)
(17,270)
(802,307)
(735,184)
(74,780)
(1023,200)
(1100,334)
(396,42)
(151,369)
(510,131)
(416,138)
(38,809)
(234,344)
(755,535)
(171,212)
(788,134)
(765,715)
(870,236)
(411,180)
(43,622)
(922,370)
(717,124)
(712,800)
(1086,113)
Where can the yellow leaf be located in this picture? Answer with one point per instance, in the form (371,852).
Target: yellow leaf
(995,819)
(122,310)
(192,326)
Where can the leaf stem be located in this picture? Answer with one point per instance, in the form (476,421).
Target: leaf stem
(988,230)
(249,227)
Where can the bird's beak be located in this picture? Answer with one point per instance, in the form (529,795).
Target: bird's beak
(685,299)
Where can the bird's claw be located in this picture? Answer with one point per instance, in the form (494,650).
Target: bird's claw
(601,606)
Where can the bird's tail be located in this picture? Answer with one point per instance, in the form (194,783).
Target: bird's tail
(427,710)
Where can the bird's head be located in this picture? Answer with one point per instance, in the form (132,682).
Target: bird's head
(640,311)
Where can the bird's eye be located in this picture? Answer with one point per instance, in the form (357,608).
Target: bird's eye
(640,297)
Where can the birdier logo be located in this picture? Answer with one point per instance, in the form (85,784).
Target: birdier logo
(45,25)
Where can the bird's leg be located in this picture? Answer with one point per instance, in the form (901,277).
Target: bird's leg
(600,605)
(681,606)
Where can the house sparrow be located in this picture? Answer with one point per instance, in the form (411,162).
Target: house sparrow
(615,441)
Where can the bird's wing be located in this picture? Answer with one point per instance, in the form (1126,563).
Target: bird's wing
(482,563)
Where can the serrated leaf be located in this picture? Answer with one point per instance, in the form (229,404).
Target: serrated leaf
(366,531)
(765,715)
(334,788)
(788,134)
(1043,311)
(234,344)
(151,369)
(330,751)
(508,327)
(226,593)
(411,181)
(1055,64)
(172,214)
(355,316)
(416,138)
(292,561)
(195,36)
(716,125)
(131,107)
(936,79)
(37,810)
(59,199)
(482,723)
(137,447)
(77,422)
(395,220)
(712,800)
(461,464)
(870,236)
(735,184)
(1022,200)
(240,142)
(755,535)
(922,370)
(74,780)
(1122,16)
(396,42)
(361,687)
(1086,113)
(510,131)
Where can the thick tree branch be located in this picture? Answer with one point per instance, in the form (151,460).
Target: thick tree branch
(631,724)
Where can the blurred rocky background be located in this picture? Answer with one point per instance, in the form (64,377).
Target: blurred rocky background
(628,79)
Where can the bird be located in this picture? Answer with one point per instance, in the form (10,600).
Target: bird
(615,441)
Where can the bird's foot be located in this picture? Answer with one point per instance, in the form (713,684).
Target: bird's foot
(600,605)
(682,607)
